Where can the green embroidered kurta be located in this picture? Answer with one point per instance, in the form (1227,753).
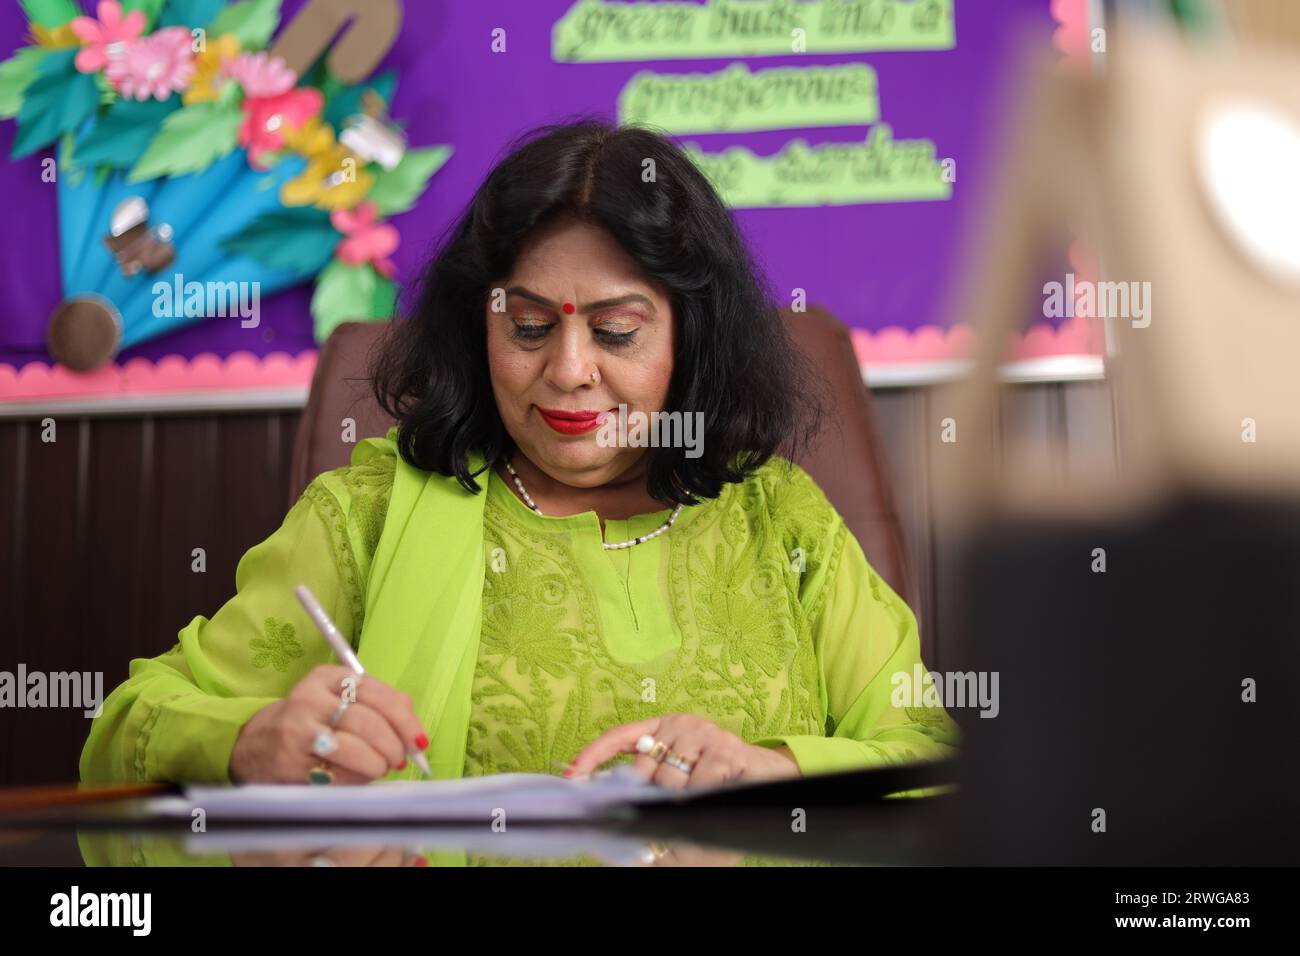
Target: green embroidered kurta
(758,611)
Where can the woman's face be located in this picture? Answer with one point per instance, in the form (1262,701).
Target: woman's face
(577,304)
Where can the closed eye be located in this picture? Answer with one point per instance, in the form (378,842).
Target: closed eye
(531,332)
(615,338)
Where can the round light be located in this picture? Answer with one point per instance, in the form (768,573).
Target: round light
(1249,157)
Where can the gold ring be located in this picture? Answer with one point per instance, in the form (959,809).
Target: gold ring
(320,774)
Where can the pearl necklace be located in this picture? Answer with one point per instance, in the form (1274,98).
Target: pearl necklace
(608,547)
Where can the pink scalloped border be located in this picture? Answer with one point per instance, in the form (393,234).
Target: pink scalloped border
(1076,336)
(173,373)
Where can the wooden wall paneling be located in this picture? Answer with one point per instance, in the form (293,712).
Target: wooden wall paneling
(114,558)
(182,512)
(14,437)
(249,496)
(50,640)
(143,555)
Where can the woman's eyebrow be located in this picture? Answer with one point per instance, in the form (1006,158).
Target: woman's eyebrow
(589,307)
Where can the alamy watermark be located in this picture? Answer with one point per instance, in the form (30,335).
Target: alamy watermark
(922,688)
(24,688)
(1098,300)
(653,430)
(179,298)
(130,910)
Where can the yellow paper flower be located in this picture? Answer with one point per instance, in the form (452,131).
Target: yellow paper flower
(209,78)
(334,177)
(60,38)
(311,139)
(329,182)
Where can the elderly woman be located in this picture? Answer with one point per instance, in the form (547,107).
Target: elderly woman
(530,588)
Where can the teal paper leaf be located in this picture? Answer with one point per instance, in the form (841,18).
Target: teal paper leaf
(191,139)
(56,100)
(50,13)
(107,94)
(347,100)
(72,173)
(384,300)
(252,21)
(297,238)
(190,13)
(347,293)
(15,73)
(396,190)
(121,135)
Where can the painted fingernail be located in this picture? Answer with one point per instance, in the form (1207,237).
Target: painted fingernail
(422,742)
(421,861)
(568,772)
(402,765)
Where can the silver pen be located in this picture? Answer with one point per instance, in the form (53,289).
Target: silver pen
(345,653)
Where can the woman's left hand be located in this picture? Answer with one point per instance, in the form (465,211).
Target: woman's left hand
(714,755)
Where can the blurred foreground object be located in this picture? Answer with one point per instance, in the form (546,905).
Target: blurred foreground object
(1263,22)
(1143,625)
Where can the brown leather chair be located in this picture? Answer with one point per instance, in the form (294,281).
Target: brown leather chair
(848,459)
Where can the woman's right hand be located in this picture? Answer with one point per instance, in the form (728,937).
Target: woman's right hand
(373,736)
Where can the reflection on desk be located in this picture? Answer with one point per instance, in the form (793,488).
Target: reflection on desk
(392,847)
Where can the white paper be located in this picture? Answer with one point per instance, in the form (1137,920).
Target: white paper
(521,796)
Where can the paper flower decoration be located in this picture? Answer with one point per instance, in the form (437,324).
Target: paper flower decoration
(366,239)
(106,38)
(154,66)
(262,75)
(268,119)
(212,69)
(57,39)
(220,166)
(334,178)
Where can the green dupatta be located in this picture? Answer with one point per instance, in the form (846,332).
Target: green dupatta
(424,601)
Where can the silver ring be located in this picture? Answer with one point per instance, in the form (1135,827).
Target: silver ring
(324,744)
(339,711)
(658,751)
(678,763)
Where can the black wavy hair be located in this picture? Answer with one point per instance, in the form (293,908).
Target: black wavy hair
(733,360)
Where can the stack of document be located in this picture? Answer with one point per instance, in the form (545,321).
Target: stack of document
(511,797)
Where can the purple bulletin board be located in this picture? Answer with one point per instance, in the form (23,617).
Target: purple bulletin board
(884,268)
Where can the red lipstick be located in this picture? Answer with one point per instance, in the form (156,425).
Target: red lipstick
(570,422)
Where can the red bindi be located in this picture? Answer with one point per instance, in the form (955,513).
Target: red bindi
(568,308)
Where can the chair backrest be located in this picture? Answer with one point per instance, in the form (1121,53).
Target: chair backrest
(847,459)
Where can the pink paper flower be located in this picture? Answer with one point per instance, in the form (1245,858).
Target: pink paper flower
(262,75)
(106,38)
(157,65)
(266,119)
(366,240)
